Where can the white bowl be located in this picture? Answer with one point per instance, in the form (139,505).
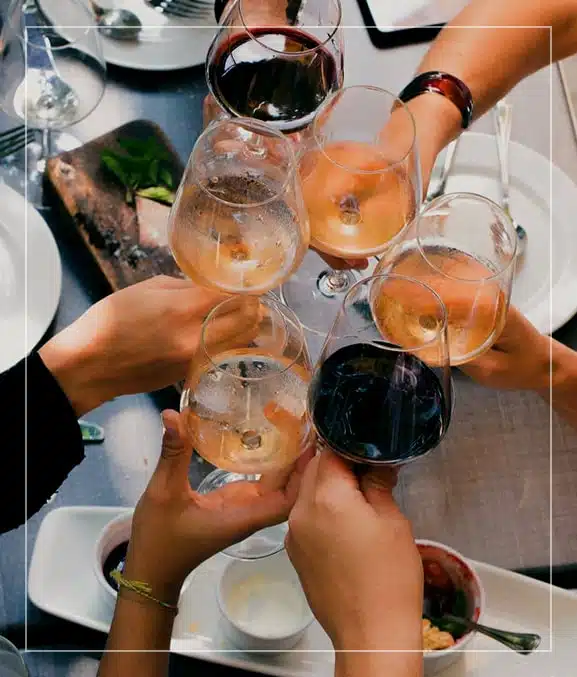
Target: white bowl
(117,531)
(263,605)
(466,579)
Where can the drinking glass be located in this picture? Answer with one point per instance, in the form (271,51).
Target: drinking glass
(379,396)
(11,662)
(464,247)
(239,223)
(275,62)
(51,77)
(361,183)
(244,402)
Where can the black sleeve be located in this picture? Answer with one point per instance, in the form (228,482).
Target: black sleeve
(42,459)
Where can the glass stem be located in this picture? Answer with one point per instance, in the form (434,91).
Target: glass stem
(46,144)
(333,282)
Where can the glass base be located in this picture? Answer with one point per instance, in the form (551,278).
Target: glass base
(316,291)
(263,543)
(24,170)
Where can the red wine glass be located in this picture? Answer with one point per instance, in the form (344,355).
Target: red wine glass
(378,398)
(276,63)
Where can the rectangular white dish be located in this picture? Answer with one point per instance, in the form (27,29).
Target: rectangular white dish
(514,602)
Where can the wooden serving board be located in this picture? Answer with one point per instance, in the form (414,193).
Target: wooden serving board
(129,243)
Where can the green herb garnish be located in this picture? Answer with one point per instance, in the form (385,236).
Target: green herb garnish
(143,169)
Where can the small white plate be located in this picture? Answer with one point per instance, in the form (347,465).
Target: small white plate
(166,43)
(29,294)
(72,592)
(545,287)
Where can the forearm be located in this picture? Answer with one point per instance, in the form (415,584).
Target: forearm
(491,61)
(139,639)
(379,664)
(561,391)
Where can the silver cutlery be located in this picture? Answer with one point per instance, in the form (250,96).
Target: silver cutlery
(15,139)
(503,121)
(184,9)
(441,183)
(522,642)
(118,24)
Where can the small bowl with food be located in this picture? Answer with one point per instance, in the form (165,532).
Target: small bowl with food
(452,587)
(110,553)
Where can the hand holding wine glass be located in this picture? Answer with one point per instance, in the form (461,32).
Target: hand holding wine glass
(355,554)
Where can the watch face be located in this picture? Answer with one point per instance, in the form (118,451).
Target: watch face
(391,16)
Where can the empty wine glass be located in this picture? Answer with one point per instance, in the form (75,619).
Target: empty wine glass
(276,61)
(361,183)
(51,77)
(239,223)
(464,247)
(379,396)
(244,402)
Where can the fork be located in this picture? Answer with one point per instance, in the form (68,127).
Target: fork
(185,9)
(503,122)
(15,139)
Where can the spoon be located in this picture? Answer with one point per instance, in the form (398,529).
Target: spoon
(118,24)
(522,642)
(442,597)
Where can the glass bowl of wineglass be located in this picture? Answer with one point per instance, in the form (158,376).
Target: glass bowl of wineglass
(238,223)
(244,402)
(381,393)
(464,247)
(51,77)
(274,63)
(361,182)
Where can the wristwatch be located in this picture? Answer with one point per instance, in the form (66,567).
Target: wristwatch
(446,85)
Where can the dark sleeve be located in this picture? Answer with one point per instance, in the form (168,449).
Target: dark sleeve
(42,459)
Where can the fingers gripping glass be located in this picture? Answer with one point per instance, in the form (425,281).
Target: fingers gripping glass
(381,393)
(244,400)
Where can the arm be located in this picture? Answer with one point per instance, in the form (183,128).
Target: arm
(491,61)
(524,359)
(562,395)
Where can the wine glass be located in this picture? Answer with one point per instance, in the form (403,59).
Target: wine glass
(51,77)
(362,185)
(238,223)
(378,396)
(244,402)
(276,63)
(464,247)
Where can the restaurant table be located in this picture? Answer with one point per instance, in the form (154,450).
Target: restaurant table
(493,490)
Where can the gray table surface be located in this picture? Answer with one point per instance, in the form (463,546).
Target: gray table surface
(492,490)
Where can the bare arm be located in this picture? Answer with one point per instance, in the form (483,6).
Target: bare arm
(481,49)
(563,394)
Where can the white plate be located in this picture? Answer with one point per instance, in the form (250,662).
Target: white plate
(513,602)
(24,317)
(165,43)
(545,288)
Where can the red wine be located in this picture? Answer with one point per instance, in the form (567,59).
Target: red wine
(115,562)
(285,89)
(373,405)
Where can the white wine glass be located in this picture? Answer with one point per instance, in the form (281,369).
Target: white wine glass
(464,247)
(51,77)
(361,183)
(239,223)
(244,402)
